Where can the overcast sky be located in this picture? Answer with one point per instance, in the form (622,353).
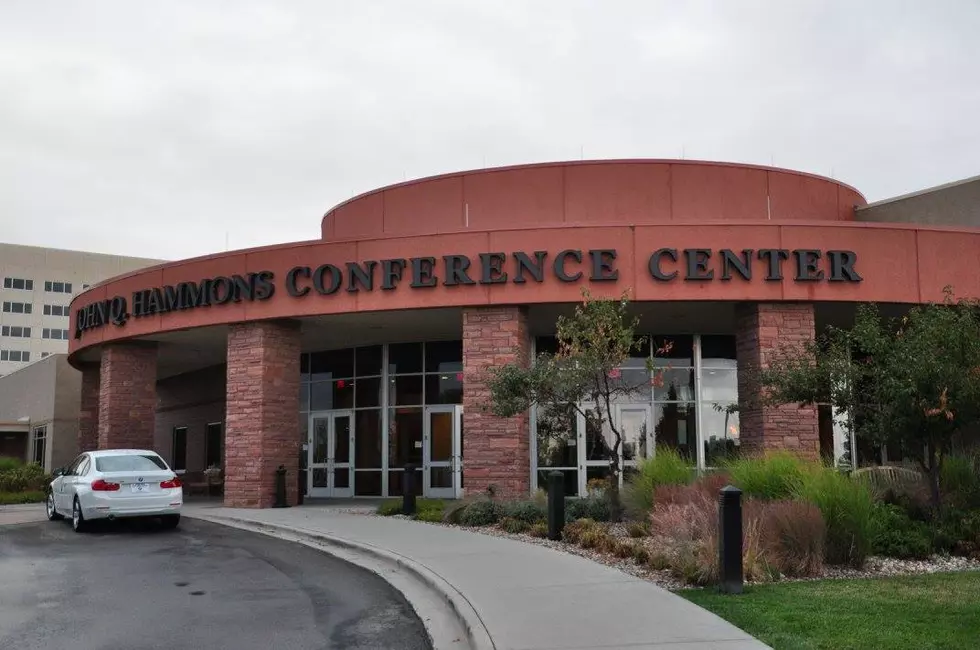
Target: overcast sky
(156,128)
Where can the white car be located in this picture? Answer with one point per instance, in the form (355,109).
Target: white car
(115,483)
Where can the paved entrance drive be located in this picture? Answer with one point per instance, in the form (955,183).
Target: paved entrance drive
(515,595)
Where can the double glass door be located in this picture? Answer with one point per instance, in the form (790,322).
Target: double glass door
(331,450)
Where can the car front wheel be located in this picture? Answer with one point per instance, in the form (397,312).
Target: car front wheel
(49,508)
(78,523)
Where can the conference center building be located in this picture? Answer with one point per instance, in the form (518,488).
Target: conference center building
(346,358)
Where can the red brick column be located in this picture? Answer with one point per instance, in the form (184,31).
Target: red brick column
(262,419)
(496,450)
(764,331)
(88,415)
(127,396)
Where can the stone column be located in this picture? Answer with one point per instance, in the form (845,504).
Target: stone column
(127,395)
(262,419)
(496,450)
(88,416)
(764,331)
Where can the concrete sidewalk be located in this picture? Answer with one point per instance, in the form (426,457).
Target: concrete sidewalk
(524,596)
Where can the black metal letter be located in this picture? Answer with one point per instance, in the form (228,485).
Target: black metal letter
(655,270)
(391,273)
(602,265)
(456,266)
(422,275)
(492,268)
(697,264)
(742,264)
(535,268)
(559,265)
(292,284)
(842,266)
(336,277)
(775,257)
(806,265)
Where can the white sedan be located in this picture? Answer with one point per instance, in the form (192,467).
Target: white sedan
(115,483)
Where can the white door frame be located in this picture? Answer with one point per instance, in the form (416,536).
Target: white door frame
(617,412)
(454,462)
(330,463)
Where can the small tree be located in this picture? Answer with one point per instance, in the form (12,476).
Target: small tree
(592,346)
(911,383)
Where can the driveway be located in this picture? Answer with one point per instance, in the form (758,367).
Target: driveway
(136,586)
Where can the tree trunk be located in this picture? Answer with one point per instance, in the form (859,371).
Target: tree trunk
(613,497)
(934,494)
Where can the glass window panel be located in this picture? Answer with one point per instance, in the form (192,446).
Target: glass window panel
(328,395)
(368,443)
(332,364)
(557,441)
(369,360)
(674,385)
(304,427)
(440,477)
(719,385)
(599,441)
(717,351)
(320,432)
(596,473)
(367,484)
(404,358)
(443,389)
(673,350)
(341,478)
(570,479)
(675,427)
(368,392)
(547,344)
(396,484)
(719,433)
(635,384)
(304,366)
(404,436)
(444,356)
(341,445)
(639,354)
(405,390)
(320,477)
(304,397)
(634,426)
(440,436)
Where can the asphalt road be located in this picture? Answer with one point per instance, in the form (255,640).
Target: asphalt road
(202,587)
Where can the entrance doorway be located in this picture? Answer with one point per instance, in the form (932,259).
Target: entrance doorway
(331,448)
(595,448)
(442,452)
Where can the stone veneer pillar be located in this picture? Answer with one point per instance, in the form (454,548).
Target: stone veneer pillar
(764,331)
(262,418)
(496,450)
(127,395)
(88,415)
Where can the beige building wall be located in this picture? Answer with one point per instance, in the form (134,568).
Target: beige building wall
(953,204)
(55,277)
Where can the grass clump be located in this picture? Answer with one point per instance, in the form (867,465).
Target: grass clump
(772,476)
(513,526)
(847,507)
(665,467)
(13,498)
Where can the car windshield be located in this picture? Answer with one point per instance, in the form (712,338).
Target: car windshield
(129,463)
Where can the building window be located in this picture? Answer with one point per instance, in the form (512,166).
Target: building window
(39,444)
(15,331)
(55,334)
(212,445)
(18,283)
(19,356)
(56,310)
(179,449)
(17,307)
(57,287)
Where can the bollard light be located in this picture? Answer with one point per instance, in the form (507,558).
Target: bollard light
(408,490)
(281,501)
(556,504)
(730,540)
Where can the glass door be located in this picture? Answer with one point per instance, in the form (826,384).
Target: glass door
(634,422)
(441,452)
(331,446)
(596,443)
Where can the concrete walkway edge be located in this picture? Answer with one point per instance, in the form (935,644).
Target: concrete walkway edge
(478,636)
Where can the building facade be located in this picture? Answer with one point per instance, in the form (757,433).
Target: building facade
(37,286)
(348,358)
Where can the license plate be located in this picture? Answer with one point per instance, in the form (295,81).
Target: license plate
(139,487)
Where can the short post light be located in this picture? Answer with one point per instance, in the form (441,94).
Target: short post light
(556,504)
(408,490)
(281,501)
(730,540)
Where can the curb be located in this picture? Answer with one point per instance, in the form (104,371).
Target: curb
(477,634)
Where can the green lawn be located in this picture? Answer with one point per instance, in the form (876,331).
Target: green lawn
(9,498)
(934,611)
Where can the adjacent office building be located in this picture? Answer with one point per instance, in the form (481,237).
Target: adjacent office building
(37,286)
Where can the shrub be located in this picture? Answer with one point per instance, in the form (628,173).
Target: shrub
(484,512)
(24,478)
(573,530)
(958,531)
(659,561)
(640,553)
(794,537)
(11,498)
(539,529)
(591,507)
(623,549)
(772,476)
(527,511)
(638,529)
(8,463)
(960,480)
(431,515)
(592,538)
(665,467)
(848,512)
(453,511)
(897,535)
(389,508)
(513,526)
